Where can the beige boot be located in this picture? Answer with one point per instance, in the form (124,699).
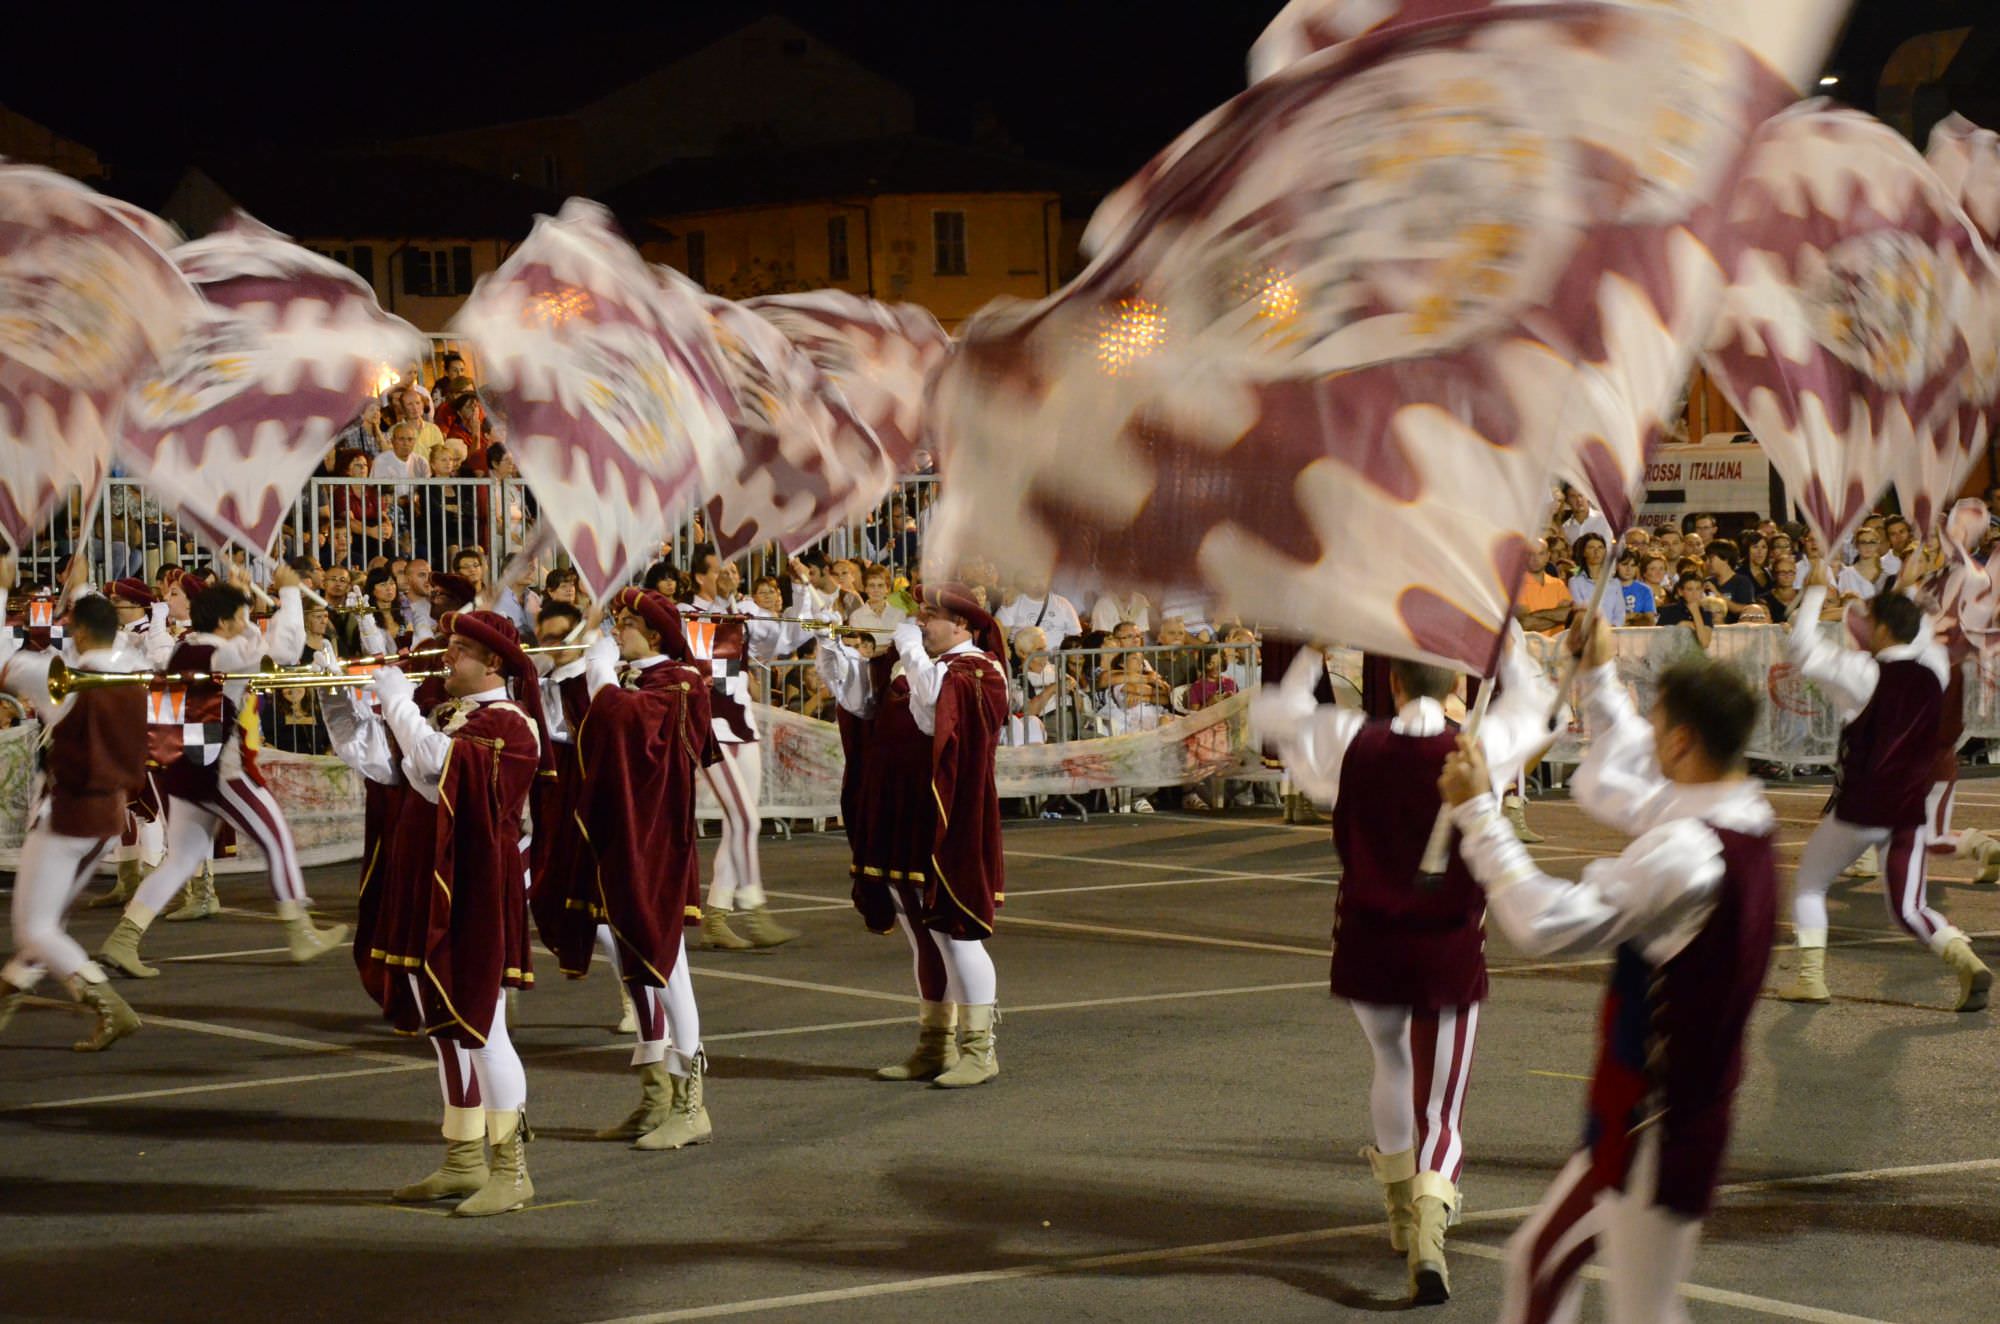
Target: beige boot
(937,1046)
(1865,867)
(1435,1200)
(977,1062)
(655,1094)
(757,925)
(687,1112)
(716,933)
(1395,1172)
(306,939)
(507,1187)
(115,1020)
(463,1171)
(628,1015)
(1299,810)
(1516,810)
(1974,979)
(1809,983)
(121,950)
(198,900)
(130,876)
(1982,848)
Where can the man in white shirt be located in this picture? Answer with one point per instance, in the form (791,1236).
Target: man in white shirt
(1035,604)
(1579,518)
(1110,610)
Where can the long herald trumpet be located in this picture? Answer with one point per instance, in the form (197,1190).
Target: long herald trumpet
(64,680)
(411,655)
(808,622)
(326,681)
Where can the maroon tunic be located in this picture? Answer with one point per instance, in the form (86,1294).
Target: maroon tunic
(640,752)
(924,810)
(96,761)
(1671,1036)
(1401,939)
(1888,751)
(452,909)
(208,716)
(557,851)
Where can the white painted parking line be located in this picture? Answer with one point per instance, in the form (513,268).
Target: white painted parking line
(1761,1305)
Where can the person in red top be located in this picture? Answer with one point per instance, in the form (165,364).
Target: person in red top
(640,747)
(1891,703)
(210,776)
(451,931)
(923,816)
(94,761)
(1409,949)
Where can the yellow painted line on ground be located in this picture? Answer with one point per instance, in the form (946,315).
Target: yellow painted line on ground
(1557,1075)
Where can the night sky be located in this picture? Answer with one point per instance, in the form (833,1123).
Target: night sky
(1096,84)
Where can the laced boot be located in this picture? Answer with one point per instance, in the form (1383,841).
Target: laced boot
(129,878)
(507,1187)
(1809,983)
(1984,849)
(1395,1172)
(937,1046)
(977,1062)
(463,1171)
(115,1019)
(716,933)
(761,929)
(628,1015)
(306,939)
(1974,979)
(121,950)
(1435,1201)
(1865,867)
(655,1094)
(198,899)
(687,1116)
(1516,810)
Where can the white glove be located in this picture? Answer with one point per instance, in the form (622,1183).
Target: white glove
(909,639)
(373,640)
(391,684)
(324,662)
(1277,711)
(603,652)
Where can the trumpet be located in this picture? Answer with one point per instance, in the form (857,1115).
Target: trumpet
(64,681)
(398,659)
(831,626)
(326,681)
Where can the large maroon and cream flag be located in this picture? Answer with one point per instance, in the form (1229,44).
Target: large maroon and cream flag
(881,356)
(1336,341)
(1967,161)
(1843,338)
(89,301)
(613,393)
(288,347)
(804,463)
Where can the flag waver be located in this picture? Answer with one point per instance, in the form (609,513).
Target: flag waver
(1843,336)
(89,301)
(1336,341)
(614,396)
(1967,161)
(287,348)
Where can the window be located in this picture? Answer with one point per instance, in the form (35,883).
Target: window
(948,243)
(697,256)
(836,248)
(438,272)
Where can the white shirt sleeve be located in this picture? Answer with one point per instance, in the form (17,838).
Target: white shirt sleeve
(926,677)
(600,665)
(286,637)
(1619,783)
(424,747)
(1516,725)
(1660,891)
(1848,675)
(847,675)
(358,736)
(1314,750)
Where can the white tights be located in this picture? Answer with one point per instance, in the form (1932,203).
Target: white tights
(969,977)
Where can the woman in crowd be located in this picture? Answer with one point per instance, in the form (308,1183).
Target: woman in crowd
(1784,592)
(386,616)
(447,518)
(1590,554)
(1757,561)
(1868,575)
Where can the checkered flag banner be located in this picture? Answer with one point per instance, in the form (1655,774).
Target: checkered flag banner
(288,347)
(804,461)
(89,301)
(1843,338)
(1335,343)
(1967,161)
(613,394)
(881,356)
